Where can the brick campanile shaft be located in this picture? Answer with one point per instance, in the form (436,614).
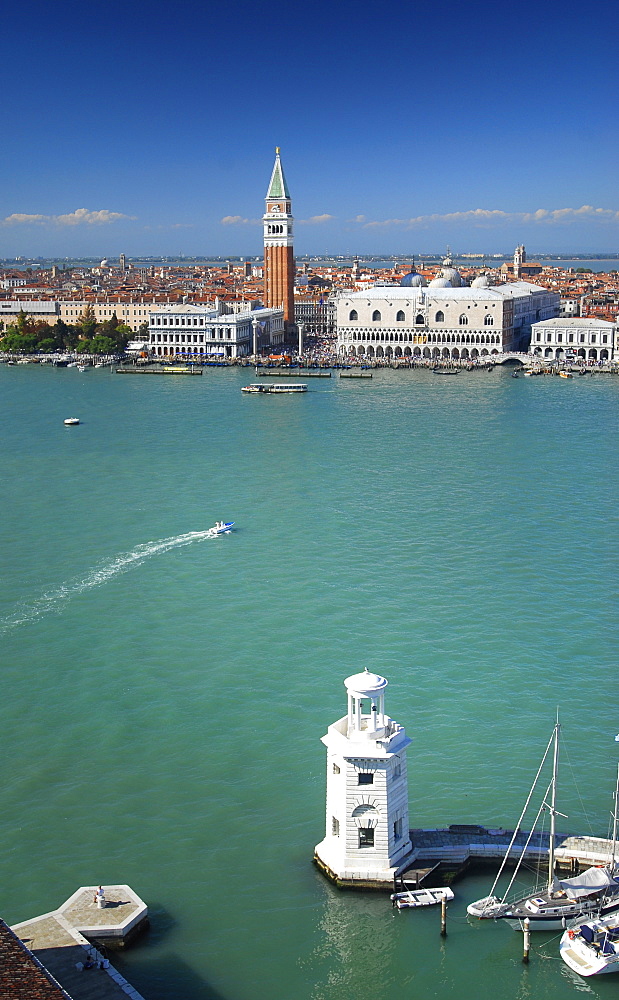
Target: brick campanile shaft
(278,252)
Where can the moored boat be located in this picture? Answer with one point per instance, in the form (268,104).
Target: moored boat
(421,897)
(592,948)
(549,908)
(72,421)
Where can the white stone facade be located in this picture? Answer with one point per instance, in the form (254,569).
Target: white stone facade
(590,339)
(432,322)
(367,828)
(202,331)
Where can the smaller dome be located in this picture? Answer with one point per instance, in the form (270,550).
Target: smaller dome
(440,282)
(481,281)
(413,280)
(453,277)
(365,683)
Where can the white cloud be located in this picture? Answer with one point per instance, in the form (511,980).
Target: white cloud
(81,216)
(238,220)
(487,218)
(316,220)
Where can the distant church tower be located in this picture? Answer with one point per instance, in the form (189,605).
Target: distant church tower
(367,832)
(520,256)
(278,252)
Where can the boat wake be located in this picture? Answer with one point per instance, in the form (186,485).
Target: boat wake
(54,600)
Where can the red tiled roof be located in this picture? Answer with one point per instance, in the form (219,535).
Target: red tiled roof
(22,977)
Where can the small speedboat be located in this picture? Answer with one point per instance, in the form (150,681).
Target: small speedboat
(72,421)
(421,897)
(566,375)
(221,528)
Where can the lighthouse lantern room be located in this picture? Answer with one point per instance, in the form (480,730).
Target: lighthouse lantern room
(367,831)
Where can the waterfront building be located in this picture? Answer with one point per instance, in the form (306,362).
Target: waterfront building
(316,314)
(441,319)
(199,331)
(278,245)
(44,310)
(367,828)
(521,268)
(588,338)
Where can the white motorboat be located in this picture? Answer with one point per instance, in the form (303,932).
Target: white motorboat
(221,528)
(72,421)
(561,900)
(83,368)
(421,897)
(275,387)
(592,948)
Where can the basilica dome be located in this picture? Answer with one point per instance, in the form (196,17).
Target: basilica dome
(413,280)
(481,282)
(441,282)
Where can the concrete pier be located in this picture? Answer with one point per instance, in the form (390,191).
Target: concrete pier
(453,849)
(70,941)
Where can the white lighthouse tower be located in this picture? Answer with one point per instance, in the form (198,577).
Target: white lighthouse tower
(367,833)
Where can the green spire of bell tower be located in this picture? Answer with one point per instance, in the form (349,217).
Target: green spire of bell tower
(278,187)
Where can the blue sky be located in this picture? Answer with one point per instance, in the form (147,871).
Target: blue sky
(150,128)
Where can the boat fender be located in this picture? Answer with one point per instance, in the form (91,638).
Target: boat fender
(571,935)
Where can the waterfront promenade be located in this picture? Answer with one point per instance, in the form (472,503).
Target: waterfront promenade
(71,941)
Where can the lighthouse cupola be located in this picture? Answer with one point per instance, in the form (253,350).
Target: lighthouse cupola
(366,705)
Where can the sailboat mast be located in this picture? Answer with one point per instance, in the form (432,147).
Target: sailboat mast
(612,860)
(553,812)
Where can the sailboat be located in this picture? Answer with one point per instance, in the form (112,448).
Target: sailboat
(562,899)
(591,947)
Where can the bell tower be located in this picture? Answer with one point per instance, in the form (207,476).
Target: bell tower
(278,251)
(367,831)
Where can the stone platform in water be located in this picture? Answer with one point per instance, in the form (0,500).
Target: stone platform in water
(456,847)
(65,941)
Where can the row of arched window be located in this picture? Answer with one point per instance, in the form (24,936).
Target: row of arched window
(431,338)
(275,230)
(419,319)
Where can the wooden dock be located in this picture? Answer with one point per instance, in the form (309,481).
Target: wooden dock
(71,942)
(444,854)
(293,373)
(166,370)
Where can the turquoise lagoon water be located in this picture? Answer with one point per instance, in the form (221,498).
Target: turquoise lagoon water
(165,693)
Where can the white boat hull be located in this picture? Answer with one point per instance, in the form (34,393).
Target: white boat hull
(421,897)
(595,954)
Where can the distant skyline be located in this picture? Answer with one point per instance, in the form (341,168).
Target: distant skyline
(150,130)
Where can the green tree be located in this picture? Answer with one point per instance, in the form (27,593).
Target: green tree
(88,321)
(23,322)
(124,334)
(84,347)
(60,332)
(102,345)
(16,343)
(108,329)
(47,345)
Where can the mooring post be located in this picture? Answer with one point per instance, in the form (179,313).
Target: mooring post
(527,940)
(443,917)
